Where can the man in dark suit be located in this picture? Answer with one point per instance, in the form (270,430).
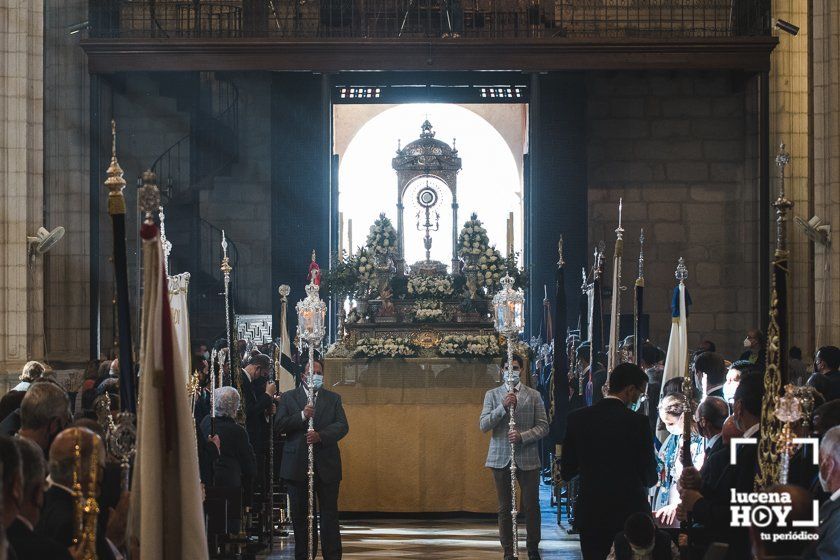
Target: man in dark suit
(710,416)
(710,503)
(599,438)
(22,538)
(826,377)
(710,373)
(828,545)
(259,409)
(330,425)
(58,513)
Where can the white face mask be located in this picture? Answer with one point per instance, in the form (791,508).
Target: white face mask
(512,377)
(747,343)
(674,428)
(317,381)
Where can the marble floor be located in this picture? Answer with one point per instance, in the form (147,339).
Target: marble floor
(444,539)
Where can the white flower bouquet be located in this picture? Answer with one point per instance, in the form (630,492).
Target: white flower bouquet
(469,346)
(365,268)
(428,311)
(382,238)
(473,240)
(491,268)
(430,286)
(386,347)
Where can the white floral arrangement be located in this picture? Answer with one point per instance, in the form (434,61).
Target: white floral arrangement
(365,268)
(473,240)
(430,286)
(428,311)
(382,238)
(469,346)
(491,268)
(385,347)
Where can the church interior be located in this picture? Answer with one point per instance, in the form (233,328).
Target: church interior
(399,197)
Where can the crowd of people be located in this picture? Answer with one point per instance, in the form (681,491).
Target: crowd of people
(637,493)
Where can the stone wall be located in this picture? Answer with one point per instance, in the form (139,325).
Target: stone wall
(825,68)
(21,182)
(67,183)
(790,123)
(241,202)
(673,146)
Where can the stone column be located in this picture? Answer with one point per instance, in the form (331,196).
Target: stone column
(21,183)
(789,123)
(67,183)
(825,67)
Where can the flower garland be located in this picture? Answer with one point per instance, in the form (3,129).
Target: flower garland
(428,311)
(382,238)
(385,347)
(473,240)
(469,346)
(430,286)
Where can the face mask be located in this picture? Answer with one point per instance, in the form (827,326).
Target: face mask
(317,381)
(729,391)
(512,378)
(747,343)
(674,429)
(206,355)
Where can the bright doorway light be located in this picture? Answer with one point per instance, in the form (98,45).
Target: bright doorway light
(490,183)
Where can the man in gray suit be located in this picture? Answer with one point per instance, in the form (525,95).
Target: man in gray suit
(531,427)
(828,545)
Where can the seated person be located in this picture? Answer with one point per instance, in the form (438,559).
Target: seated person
(235,465)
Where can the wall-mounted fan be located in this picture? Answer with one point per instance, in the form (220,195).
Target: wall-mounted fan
(816,230)
(43,241)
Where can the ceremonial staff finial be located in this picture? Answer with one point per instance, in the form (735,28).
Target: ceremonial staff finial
(560,262)
(641,277)
(115,181)
(681,273)
(774,438)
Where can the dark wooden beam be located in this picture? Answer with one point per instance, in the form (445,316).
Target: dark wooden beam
(750,54)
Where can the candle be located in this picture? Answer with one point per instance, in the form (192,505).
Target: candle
(350,235)
(340,236)
(510,234)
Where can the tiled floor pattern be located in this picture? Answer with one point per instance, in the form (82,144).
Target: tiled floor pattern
(444,539)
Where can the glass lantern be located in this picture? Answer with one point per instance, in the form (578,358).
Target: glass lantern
(508,307)
(312,313)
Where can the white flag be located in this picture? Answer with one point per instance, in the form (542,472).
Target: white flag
(676,360)
(166,517)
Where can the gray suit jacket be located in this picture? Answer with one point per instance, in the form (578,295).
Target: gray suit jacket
(531,421)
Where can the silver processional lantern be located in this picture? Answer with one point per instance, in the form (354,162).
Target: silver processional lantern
(312,313)
(508,318)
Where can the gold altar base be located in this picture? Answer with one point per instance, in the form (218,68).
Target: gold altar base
(414,443)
